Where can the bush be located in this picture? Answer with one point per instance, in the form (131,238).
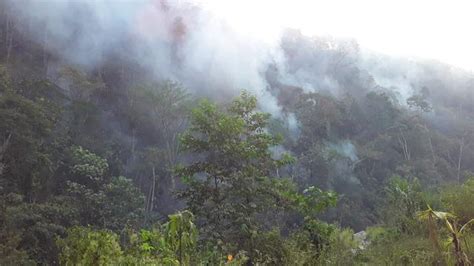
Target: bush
(341,249)
(84,246)
(390,249)
(458,200)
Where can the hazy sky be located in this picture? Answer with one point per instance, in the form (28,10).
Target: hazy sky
(441,30)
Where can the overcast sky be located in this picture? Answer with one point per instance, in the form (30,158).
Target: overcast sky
(441,30)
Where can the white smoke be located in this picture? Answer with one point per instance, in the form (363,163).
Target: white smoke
(182,41)
(344,148)
(171,39)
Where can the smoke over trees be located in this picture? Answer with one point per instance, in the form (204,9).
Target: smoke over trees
(124,116)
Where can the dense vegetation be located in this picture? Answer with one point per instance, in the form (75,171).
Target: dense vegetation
(100,167)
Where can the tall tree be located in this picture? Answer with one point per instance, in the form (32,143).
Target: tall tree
(231,183)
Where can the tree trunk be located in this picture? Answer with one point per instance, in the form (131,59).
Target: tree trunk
(432,150)
(171,161)
(461,146)
(458,253)
(133,143)
(3,148)
(403,143)
(153,190)
(45,53)
(433,234)
(8,39)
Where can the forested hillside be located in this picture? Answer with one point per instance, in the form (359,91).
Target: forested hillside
(147,152)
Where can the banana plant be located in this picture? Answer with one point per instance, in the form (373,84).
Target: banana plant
(180,234)
(456,233)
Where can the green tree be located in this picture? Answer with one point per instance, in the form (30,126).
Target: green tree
(89,168)
(112,203)
(157,114)
(84,246)
(381,111)
(231,182)
(419,102)
(33,227)
(11,251)
(113,206)
(25,125)
(404,199)
(456,199)
(234,187)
